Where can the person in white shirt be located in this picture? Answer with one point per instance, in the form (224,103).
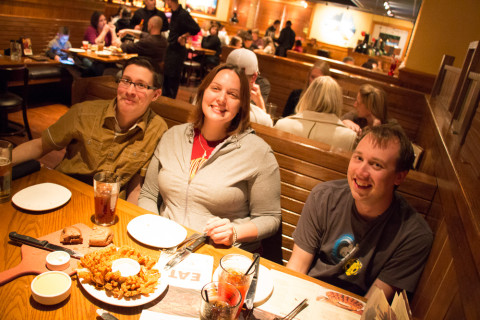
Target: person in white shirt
(317,116)
(247,60)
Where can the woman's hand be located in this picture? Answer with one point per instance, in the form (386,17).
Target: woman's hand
(353,126)
(220,231)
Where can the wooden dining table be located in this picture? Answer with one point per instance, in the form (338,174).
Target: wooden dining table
(6,62)
(105,59)
(16,301)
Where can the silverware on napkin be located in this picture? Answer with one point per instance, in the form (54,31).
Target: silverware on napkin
(302,305)
(184,252)
(43,244)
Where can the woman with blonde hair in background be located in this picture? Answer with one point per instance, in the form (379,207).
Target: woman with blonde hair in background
(319,68)
(371,109)
(318,115)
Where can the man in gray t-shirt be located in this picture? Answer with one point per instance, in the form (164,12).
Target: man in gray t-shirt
(359,233)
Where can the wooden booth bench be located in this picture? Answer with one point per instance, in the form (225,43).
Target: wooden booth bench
(285,75)
(339,65)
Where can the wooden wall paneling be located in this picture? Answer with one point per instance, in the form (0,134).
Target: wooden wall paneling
(455,310)
(470,63)
(39,30)
(73,9)
(300,18)
(464,241)
(268,12)
(444,296)
(471,148)
(433,275)
(445,96)
(438,84)
(469,106)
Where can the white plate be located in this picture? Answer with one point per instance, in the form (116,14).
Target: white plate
(156,231)
(41,197)
(76,50)
(264,285)
(103,53)
(126,302)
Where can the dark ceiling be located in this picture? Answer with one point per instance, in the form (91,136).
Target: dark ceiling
(402,9)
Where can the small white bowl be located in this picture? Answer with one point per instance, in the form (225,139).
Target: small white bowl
(58,260)
(126,266)
(51,287)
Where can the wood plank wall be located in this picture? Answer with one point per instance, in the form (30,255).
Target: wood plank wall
(39,20)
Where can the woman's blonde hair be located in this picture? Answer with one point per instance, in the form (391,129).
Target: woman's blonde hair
(242,120)
(323,95)
(375,100)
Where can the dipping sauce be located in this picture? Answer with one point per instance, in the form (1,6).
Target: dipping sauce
(58,260)
(126,266)
(51,283)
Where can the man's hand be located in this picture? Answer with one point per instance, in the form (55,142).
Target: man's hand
(256,97)
(182,40)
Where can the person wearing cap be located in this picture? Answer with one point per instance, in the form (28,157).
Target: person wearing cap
(247,60)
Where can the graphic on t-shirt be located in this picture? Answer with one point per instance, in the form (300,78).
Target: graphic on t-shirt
(343,246)
(352,267)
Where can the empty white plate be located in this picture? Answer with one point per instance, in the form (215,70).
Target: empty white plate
(156,231)
(41,197)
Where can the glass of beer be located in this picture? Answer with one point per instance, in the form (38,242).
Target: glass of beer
(5,170)
(220,301)
(106,186)
(100,45)
(233,268)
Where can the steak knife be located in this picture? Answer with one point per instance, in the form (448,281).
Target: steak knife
(43,244)
(182,254)
(250,297)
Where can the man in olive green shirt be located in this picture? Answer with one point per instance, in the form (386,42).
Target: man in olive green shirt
(118,135)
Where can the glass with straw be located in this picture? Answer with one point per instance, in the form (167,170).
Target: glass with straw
(220,301)
(237,269)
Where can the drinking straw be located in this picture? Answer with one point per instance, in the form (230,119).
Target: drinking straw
(206,295)
(254,261)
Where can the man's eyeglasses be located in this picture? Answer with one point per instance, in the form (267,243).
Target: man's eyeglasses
(140,87)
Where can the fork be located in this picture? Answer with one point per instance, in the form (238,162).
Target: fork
(295,311)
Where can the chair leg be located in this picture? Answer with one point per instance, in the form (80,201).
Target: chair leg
(25,120)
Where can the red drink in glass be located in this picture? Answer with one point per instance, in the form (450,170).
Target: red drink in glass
(233,269)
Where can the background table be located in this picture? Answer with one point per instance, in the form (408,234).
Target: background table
(15,297)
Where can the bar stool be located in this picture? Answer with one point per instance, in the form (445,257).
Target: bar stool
(10,102)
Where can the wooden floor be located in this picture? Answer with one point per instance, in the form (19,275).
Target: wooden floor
(42,115)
